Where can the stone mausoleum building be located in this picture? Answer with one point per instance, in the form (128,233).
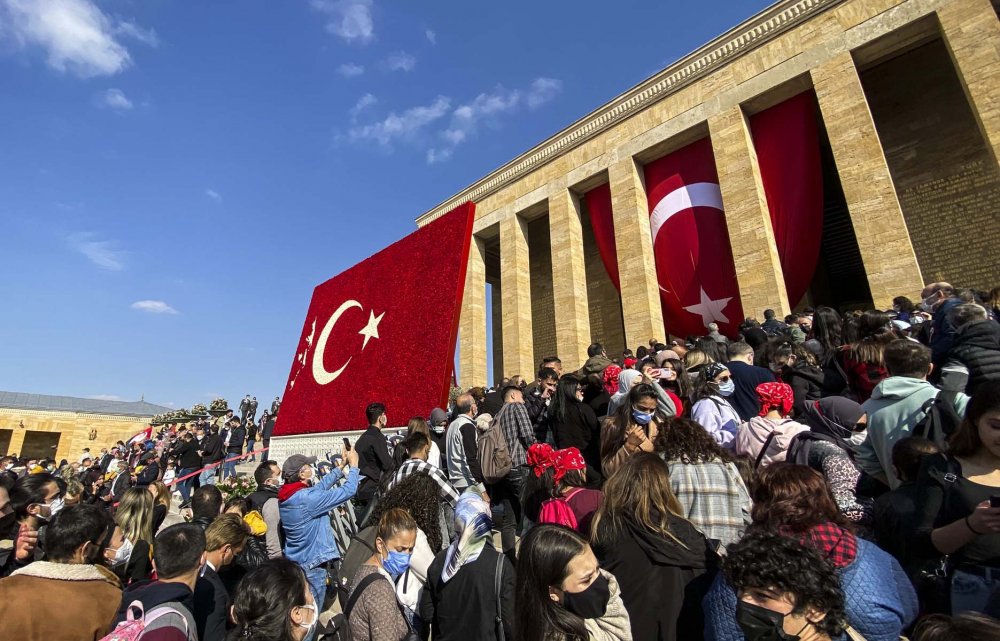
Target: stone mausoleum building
(907,97)
(59,427)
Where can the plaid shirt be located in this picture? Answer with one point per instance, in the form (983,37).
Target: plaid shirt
(517,430)
(415,466)
(713,497)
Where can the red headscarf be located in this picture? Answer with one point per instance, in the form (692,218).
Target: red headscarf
(541,457)
(611,373)
(566,460)
(777,395)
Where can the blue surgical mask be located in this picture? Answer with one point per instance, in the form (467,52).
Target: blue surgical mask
(727,388)
(641,417)
(397,563)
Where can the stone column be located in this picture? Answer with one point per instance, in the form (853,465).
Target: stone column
(515,290)
(755,254)
(972,34)
(472,322)
(878,221)
(640,292)
(569,279)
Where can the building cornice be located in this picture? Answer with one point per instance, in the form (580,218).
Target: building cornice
(737,42)
(103,417)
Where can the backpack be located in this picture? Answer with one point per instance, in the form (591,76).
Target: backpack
(940,419)
(354,558)
(131,628)
(342,627)
(494,457)
(559,512)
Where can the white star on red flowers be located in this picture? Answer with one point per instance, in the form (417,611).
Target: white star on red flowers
(371,329)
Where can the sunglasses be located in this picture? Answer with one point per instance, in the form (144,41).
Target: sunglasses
(724,379)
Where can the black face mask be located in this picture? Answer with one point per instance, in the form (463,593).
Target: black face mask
(761,624)
(592,602)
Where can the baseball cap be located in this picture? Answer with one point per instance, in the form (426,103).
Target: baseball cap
(296,462)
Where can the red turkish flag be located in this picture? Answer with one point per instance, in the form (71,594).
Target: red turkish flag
(694,262)
(384,330)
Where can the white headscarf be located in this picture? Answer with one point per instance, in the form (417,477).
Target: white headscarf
(625,381)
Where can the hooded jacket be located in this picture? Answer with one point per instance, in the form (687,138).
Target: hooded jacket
(309,538)
(895,408)
(751,436)
(662,583)
(976,348)
(808,384)
(153,593)
(594,365)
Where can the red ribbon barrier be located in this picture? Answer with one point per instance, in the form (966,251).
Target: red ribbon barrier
(214,465)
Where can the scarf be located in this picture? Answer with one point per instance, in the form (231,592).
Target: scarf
(540,457)
(834,416)
(834,543)
(611,373)
(777,395)
(566,460)
(473,525)
(625,380)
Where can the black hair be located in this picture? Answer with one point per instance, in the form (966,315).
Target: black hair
(543,561)
(419,495)
(616,426)
(908,455)
(904,304)
(264,471)
(565,395)
(415,442)
(641,352)
(768,314)
(828,330)
(206,502)
(545,373)
(73,526)
(968,626)
(265,597)
(507,390)
(373,412)
(177,550)
(595,349)
(767,560)
(715,350)
(551,359)
(904,357)
(29,490)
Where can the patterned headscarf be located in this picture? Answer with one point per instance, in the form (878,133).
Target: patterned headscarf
(777,395)
(540,457)
(473,525)
(611,373)
(566,460)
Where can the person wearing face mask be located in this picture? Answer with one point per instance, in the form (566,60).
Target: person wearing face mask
(746,378)
(130,552)
(561,592)
(274,603)
(438,423)
(69,595)
(304,503)
(373,454)
(372,611)
(574,424)
(765,438)
(461,450)
(711,407)
(265,501)
(168,600)
(17,542)
(938,299)
(36,499)
(633,427)
(785,591)
(224,540)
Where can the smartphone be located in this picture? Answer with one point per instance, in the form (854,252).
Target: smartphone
(995,501)
(347,444)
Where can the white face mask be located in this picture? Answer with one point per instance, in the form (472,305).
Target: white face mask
(312,624)
(857,438)
(122,554)
(928,307)
(54,508)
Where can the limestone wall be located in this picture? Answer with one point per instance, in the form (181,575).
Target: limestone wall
(73,429)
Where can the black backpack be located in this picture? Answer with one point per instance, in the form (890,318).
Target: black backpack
(940,419)
(361,549)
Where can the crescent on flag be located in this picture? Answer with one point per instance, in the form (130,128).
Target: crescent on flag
(685,197)
(319,371)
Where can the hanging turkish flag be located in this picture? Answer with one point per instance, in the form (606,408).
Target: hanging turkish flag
(694,263)
(384,330)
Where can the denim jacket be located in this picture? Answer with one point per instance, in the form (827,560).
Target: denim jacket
(309,537)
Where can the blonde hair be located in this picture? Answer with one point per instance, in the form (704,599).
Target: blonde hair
(162,494)
(696,357)
(135,515)
(228,529)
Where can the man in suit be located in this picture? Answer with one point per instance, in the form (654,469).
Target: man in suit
(121,482)
(253,409)
(746,377)
(275,405)
(244,409)
(105,460)
(234,447)
(224,540)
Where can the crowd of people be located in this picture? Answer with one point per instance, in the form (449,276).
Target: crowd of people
(828,476)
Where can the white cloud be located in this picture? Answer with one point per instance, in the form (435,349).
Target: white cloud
(166,404)
(350,70)
(106,397)
(401,126)
(214,195)
(438,155)
(364,102)
(76,35)
(542,91)
(431,36)
(153,307)
(100,252)
(350,20)
(114,99)
(400,61)
(212,395)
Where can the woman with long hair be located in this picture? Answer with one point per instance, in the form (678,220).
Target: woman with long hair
(795,365)
(711,409)
(560,474)
(418,424)
(632,428)
(695,358)
(574,424)
(274,603)
(674,379)
(903,307)
(376,613)
(862,359)
(663,563)
(460,598)
(705,480)
(561,593)
(161,503)
(795,501)
(133,551)
(954,492)
(715,350)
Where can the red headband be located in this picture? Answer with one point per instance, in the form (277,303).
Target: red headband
(778,395)
(541,457)
(566,460)
(611,373)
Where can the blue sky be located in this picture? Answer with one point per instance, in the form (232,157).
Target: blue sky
(178,176)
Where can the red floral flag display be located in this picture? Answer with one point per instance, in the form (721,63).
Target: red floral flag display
(384,330)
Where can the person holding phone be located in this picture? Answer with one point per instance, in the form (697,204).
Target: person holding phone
(959,492)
